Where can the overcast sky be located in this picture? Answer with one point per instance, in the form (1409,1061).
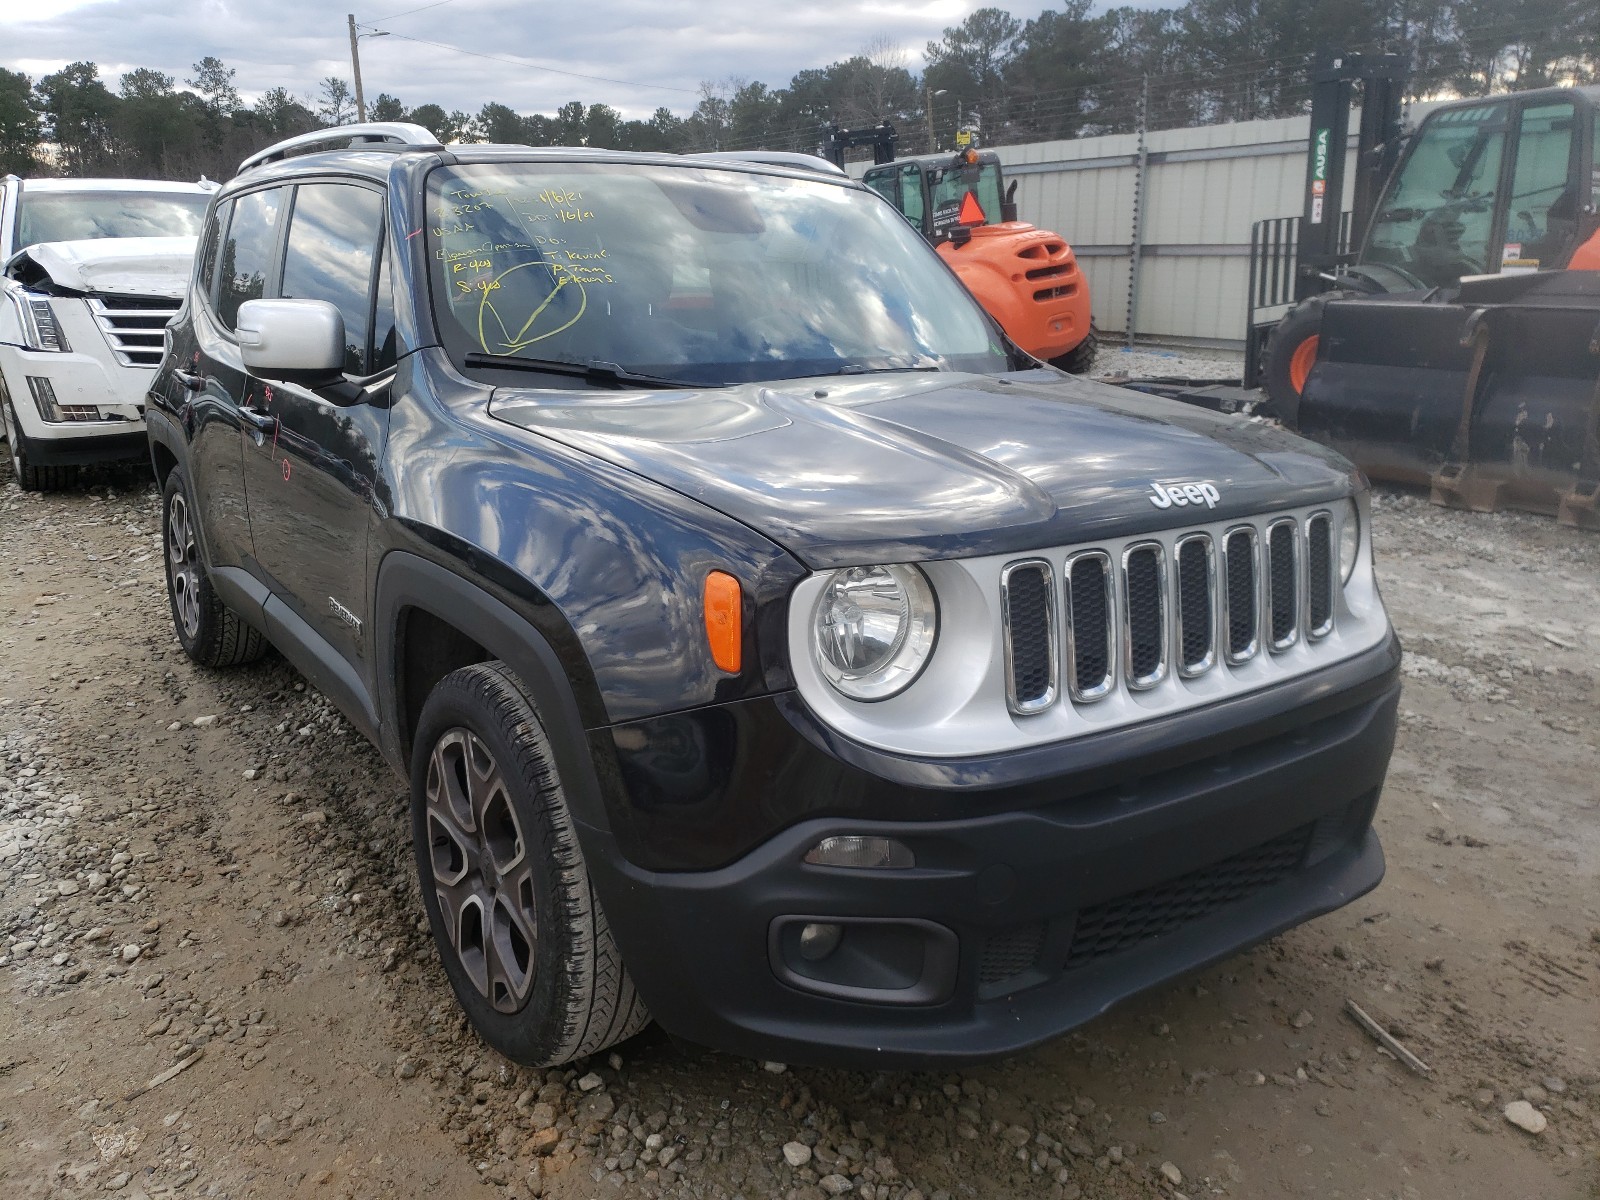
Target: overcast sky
(296,43)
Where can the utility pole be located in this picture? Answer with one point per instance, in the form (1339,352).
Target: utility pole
(355,66)
(927,97)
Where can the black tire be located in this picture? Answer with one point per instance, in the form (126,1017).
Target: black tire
(30,478)
(211,633)
(524,943)
(1080,358)
(1302,321)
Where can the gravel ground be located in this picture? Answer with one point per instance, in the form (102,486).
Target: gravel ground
(217,980)
(1148,362)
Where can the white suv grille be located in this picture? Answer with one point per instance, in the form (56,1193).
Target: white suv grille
(132,326)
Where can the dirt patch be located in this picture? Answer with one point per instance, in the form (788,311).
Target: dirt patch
(210,871)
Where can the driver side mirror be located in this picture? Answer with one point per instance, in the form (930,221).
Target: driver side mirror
(299,341)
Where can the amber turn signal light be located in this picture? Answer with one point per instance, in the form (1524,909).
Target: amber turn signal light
(724,621)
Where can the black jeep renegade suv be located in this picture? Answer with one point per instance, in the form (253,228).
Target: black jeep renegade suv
(771,647)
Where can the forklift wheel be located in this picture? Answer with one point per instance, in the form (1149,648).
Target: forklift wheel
(1080,358)
(1291,353)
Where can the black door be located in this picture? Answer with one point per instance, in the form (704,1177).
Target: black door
(211,396)
(311,464)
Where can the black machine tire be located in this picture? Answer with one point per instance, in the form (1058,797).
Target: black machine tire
(1300,323)
(1080,358)
(526,947)
(210,633)
(30,478)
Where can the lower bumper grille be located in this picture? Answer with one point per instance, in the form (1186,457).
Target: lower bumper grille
(1124,922)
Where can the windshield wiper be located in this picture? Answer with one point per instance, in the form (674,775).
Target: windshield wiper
(598,373)
(862,369)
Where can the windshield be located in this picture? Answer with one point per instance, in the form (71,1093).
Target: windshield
(1434,221)
(948,187)
(693,275)
(70,216)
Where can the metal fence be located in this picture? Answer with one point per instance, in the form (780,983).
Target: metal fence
(1162,229)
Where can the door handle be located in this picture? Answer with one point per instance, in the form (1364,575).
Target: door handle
(265,422)
(192,383)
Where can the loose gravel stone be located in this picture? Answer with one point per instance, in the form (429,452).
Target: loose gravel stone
(1526,1117)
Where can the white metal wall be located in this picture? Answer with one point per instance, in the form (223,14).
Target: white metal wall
(1203,189)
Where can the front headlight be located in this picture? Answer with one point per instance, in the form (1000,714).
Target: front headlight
(1349,540)
(40,329)
(873,629)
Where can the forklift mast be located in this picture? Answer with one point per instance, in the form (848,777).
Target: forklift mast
(881,137)
(1383,79)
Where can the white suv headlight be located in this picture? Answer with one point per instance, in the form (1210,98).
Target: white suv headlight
(873,629)
(40,329)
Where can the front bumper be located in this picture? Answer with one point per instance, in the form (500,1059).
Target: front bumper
(1033,915)
(77,381)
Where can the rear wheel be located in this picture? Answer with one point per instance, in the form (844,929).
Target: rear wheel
(1080,358)
(1291,353)
(519,928)
(30,478)
(210,632)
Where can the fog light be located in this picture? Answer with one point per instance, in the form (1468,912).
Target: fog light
(860,852)
(818,940)
(44,398)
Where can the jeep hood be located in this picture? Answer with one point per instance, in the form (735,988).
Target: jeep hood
(906,466)
(110,266)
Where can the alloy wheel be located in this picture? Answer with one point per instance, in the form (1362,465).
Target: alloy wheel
(482,875)
(183,565)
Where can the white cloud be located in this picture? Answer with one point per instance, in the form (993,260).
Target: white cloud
(297,43)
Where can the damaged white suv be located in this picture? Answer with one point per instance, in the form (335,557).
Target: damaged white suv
(92,271)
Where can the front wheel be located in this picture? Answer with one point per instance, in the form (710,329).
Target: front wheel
(519,928)
(1291,353)
(30,478)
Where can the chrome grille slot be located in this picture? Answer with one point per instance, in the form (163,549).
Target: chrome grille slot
(1091,641)
(1197,620)
(133,326)
(1240,597)
(1028,611)
(1144,617)
(1283,584)
(1319,575)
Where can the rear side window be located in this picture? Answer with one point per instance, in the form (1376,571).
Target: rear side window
(332,255)
(247,251)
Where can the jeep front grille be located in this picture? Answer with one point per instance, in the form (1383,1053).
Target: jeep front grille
(133,326)
(1029,614)
(1182,604)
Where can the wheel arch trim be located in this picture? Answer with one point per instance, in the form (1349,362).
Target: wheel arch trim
(406,580)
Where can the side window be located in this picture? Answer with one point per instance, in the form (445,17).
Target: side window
(1543,214)
(206,274)
(333,246)
(247,251)
(384,352)
(911,189)
(885,184)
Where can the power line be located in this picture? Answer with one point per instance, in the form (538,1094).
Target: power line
(409,11)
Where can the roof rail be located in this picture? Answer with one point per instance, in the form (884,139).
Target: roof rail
(774,158)
(378,135)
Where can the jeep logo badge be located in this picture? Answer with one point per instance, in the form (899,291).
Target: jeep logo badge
(1181,494)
